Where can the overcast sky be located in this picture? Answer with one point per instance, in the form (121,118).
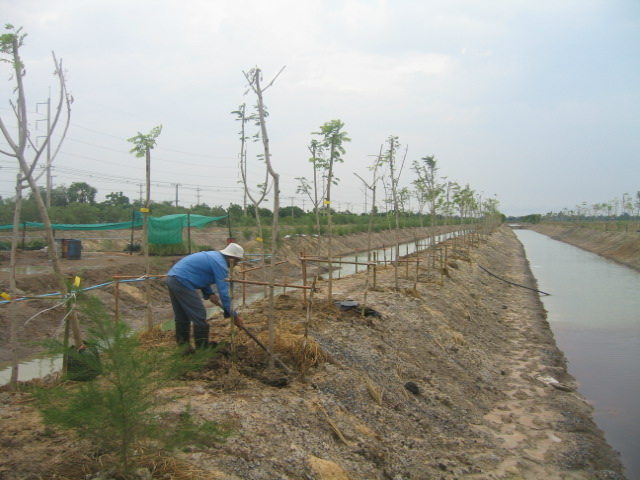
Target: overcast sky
(535,102)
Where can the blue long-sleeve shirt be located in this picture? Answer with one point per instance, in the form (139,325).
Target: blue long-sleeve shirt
(200,271)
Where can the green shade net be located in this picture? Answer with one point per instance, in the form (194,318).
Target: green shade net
(165,230)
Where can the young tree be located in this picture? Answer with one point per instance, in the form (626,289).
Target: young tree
(395,171)
(263,188)
(372,187)
(10,44)
(332,139)
(254,78)
(374,168)
(121,412)
(463,199)
(142,146)
(427,183)
(318,163)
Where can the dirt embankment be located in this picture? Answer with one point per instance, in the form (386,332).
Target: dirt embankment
(622,247)
(459,379)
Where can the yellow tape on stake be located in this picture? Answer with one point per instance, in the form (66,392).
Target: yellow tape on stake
(144,210)
(76,282)
(6,296)
(327,202)
(260,239)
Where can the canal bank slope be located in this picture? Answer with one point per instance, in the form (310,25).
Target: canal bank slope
(622,247)
(459,379)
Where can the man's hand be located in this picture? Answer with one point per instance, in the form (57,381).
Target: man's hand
(215,300)
(238,321)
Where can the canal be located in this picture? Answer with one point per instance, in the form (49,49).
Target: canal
(594,313)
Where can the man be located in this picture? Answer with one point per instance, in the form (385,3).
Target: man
(199,271)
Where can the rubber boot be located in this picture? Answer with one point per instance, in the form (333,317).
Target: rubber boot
(201,336)
(183,333)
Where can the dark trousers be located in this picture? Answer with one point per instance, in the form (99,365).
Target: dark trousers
(188,309)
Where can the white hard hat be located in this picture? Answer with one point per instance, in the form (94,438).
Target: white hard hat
(233,250)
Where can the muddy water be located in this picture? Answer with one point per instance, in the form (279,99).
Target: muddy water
(594,312)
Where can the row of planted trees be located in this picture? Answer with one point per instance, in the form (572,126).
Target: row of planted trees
(627,207)
(327,149)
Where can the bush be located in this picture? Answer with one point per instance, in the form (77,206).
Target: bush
(36,244)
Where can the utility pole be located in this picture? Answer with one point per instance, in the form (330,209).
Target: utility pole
(47,200)
(140,185)
(198,194)
(176,185)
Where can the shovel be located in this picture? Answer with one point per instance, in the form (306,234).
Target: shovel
(262,345)
(255,339)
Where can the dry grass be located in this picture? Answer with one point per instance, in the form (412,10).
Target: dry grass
(290,342)
(375,391)
(333,425)
(158,465)
(155,337)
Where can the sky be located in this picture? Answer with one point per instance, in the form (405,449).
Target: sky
(535,103)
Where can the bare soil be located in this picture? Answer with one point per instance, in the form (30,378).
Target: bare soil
(459,378)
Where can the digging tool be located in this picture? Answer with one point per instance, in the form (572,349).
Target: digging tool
(262,345)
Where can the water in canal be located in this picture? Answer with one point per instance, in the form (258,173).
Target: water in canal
(594,312)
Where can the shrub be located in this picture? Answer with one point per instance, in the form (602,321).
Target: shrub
(36,244)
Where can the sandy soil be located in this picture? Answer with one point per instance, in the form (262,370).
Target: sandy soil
(458,378)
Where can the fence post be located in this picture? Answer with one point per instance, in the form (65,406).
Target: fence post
(244,288)
(116,296)
(303,265)
(375,268)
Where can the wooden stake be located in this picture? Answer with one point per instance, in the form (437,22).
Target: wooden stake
(116,296)
(303,264)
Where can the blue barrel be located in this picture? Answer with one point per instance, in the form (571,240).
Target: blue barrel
(74,249)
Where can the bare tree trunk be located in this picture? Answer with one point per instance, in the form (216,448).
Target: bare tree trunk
(330,232)
(51,250)
(255,84)
(13,332)
(145,236)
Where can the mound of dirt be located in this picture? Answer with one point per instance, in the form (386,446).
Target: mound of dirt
(458,377)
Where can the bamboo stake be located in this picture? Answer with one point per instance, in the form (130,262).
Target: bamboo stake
(244,288)
(232,313)
(303,264)
(310,304)
(286,276)
(116,296)
(375,270)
